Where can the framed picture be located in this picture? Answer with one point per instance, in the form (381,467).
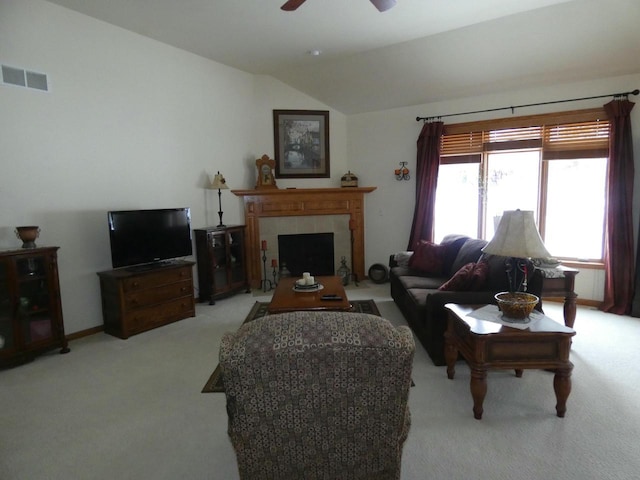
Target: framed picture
(301,139)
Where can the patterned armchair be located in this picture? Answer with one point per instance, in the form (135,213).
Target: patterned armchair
(318,395)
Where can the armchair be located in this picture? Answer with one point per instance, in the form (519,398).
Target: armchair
(318,395)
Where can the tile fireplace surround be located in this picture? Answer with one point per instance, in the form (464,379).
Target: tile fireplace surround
(301,202)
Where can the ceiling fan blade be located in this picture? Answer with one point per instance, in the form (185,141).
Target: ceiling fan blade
(292,5)
(383,5)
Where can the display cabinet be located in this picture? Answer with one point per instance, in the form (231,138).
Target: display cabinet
(222,265)
(30,307)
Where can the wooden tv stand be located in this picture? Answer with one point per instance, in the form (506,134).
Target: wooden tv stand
(136,300)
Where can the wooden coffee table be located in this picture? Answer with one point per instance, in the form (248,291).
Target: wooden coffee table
(484,344)
(285,299)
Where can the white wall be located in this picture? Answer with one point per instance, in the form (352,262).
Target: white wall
(128,123)
(378,141)
(133,123)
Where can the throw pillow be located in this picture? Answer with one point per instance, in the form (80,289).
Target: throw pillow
(428,257)
(479,275)
(460,280)
(471,276)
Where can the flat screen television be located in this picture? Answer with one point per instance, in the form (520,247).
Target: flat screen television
(146,237)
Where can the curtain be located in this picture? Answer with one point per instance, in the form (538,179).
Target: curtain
(618,241)
(427,164)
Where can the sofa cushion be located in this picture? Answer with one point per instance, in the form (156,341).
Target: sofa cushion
(470,252)
(471,276)
(428,258)
(424,283)
(453,243)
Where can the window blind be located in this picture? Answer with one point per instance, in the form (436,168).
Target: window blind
(576,134)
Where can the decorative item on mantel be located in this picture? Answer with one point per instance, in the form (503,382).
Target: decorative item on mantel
(219,183)
(28,235)
(518,239)
(349,180)
(402,173)
(266,178)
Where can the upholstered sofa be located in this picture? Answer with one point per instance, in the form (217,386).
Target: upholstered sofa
(318,395)
(458,272)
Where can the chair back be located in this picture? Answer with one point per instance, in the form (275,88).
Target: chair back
(318,395)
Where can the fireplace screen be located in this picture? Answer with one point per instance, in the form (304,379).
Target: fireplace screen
(307,252)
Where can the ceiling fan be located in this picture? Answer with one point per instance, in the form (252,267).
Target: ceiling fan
(381,5)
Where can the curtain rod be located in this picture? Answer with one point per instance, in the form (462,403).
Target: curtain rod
(614,95)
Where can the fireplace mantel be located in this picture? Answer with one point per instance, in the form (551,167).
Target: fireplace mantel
(291,202)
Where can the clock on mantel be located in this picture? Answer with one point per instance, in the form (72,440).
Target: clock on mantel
(266,177)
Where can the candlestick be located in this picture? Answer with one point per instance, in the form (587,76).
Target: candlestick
(266,283)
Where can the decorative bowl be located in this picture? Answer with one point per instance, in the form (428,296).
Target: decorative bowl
(516,305)
(28,235)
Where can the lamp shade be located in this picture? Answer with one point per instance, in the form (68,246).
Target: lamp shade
(517,236)
(219,183)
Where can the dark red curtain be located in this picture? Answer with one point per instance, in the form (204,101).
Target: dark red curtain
(427,164)
(618,241)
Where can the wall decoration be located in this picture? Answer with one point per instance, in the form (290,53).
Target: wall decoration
(301,140)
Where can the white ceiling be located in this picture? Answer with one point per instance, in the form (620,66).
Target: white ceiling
(420,51)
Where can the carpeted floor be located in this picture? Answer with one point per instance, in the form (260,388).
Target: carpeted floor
(259,309)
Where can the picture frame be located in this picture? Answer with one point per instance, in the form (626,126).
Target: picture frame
(301,141)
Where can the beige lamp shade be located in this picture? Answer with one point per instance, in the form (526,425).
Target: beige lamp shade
(218,183)
(517,236)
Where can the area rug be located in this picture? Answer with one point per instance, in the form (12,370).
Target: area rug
(259,309)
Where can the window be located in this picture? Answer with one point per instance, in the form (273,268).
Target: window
(554,165)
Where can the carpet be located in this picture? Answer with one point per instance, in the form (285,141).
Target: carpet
(259,309)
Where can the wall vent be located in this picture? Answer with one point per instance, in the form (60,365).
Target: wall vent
(24,78)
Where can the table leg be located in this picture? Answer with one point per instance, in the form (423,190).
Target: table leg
(450,356)
(569,309)
(478,390)
(562,387)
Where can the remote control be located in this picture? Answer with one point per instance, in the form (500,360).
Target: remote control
(331,297)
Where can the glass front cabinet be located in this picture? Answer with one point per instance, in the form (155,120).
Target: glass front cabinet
(222,268)
(30,308)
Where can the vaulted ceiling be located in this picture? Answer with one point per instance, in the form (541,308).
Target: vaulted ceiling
(420,51)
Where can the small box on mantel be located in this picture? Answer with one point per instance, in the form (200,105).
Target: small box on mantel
(349,180)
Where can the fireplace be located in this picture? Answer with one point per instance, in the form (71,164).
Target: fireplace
(308,204)
(307,252)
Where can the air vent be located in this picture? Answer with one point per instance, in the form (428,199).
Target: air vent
(24,78)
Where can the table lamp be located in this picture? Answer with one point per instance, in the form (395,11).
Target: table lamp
(221,184)
(518,239)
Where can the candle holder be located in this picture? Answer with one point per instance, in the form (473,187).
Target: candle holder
(275,274)
(266,283)
(402,173)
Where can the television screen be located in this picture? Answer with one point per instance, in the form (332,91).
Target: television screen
(146,236)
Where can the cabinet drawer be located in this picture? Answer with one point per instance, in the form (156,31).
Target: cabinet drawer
(155,279)
(159,294)
(152,317)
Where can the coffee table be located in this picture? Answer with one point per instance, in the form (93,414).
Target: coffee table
(484,344)
(285,299)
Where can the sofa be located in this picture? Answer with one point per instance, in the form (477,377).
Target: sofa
(455,271)
(318,395)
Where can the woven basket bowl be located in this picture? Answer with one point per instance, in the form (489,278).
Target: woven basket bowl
(516,305)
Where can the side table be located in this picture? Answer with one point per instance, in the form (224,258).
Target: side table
(560,282)
(484,344)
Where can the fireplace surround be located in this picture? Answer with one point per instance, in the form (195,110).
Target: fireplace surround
(302,202)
